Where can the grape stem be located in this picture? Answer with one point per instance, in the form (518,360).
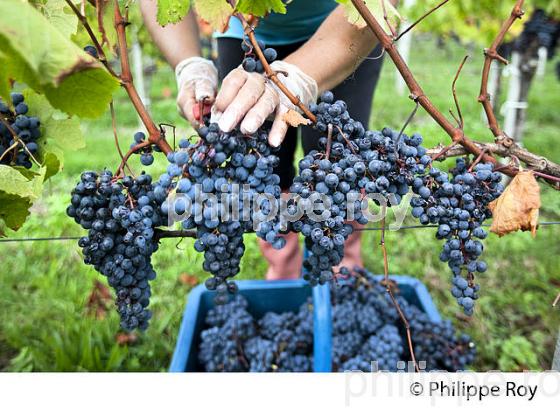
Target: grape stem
(460,122)
(419,20)
(270,73)
(388,285)
(457,135)
(115,135)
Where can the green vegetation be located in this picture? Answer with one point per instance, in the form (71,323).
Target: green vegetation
(46,325)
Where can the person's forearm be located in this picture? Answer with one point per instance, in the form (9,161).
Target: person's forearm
(335,50)
(175,41)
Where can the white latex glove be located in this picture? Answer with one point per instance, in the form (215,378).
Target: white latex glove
(197,80)
(250,98)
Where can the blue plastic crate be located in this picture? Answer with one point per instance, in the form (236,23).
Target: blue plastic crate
(263,296)
(281,296)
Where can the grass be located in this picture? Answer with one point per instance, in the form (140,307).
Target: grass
(46,323)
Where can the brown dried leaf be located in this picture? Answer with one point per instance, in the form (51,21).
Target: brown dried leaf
(518,206)
(188,280)
(99,300)
(295,119)
(125,339)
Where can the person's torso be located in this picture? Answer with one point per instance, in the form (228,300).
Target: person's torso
(302,19)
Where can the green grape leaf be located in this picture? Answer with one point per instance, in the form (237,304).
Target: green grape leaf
(261,8)
(19,187)
(59,132)
(172,11)
(36,53)
(14,181)
(214,12)
(56,126)
(52,162)
(376,8)
(14,210)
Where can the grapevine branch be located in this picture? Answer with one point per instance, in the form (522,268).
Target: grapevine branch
(390,292)
(155,135)
(541,166)
(491,54)
(457,135)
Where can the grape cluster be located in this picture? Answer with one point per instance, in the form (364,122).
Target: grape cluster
(235,168)
(18,150)
(251,63)
(235,341)
(367,328)
(146,153)
(120,216)
(350,163)
(459,206)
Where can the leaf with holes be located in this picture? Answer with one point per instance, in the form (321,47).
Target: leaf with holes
(60,15)
(378,8)
(172,11)
(518,206)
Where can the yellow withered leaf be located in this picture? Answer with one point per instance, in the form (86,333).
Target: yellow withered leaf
(518,206)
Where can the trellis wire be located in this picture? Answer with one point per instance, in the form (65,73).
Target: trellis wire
(405,227)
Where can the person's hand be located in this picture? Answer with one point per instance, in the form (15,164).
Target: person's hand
(197,80)
(249,99)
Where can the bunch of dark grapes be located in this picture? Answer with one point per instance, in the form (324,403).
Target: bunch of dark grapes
(367,328)
(235,341)
(251,63)
(120,216)
(459,207)
(17,150)
(234,168)
(354,162)
(146,153)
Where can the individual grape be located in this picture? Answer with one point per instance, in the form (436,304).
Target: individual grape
(270,54)
(249,64)
(91,50)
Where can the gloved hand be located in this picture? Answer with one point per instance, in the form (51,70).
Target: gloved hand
(250,98)
(197,80)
